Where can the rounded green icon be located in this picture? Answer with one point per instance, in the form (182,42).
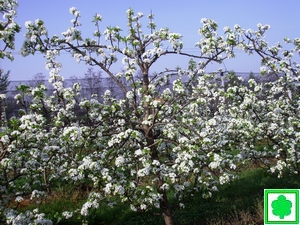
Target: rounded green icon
(281,207)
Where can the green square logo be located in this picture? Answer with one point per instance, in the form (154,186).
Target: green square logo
(281,206)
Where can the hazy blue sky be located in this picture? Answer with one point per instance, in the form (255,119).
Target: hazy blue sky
(180,16)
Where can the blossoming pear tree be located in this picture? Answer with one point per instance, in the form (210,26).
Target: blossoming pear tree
(183,139)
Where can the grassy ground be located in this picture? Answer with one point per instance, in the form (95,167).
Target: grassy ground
(240,202)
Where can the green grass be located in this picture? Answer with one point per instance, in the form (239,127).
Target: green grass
(240,202)
(242,195)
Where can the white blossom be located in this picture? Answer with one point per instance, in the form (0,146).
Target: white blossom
(67,214)
(129,95)
(120,161)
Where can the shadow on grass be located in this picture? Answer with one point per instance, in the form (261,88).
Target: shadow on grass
(242,195)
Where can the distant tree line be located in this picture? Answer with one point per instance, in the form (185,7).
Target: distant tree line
(93,85)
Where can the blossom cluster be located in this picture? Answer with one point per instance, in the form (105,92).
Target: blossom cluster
(8,28)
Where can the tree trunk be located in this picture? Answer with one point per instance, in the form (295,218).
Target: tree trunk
(168,219)
(149,135)
(166,211)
